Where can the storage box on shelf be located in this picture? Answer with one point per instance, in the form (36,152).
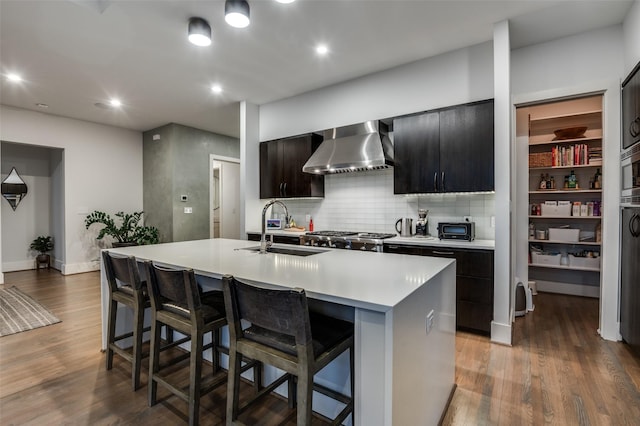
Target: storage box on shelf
(545,259)
(584,262)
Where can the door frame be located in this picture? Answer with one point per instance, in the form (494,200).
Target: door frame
(212,158)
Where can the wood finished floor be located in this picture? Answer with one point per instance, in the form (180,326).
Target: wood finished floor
(558,371)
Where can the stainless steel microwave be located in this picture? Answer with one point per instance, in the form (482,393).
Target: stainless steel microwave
(457,231)
(630,179)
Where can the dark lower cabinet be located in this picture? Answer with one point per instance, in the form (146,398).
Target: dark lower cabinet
(280,239)
(281,162)
(474,283)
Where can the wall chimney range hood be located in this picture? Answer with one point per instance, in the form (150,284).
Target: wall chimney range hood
(359,147)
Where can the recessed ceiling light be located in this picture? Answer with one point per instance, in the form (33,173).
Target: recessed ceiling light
(285,1)
(322,49)
(216,88)
(115,103)
(14,77)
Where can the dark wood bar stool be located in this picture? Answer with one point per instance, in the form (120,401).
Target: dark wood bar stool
(281,331)
(125,287)
(177,302)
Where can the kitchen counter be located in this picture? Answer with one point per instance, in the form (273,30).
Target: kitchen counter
(391,298)
(282,232)
(436,242)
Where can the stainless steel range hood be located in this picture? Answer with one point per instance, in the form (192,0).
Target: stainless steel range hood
(359,147)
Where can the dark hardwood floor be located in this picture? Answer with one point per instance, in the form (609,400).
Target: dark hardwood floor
(559,371)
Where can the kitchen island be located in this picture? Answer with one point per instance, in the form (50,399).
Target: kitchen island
(403,308)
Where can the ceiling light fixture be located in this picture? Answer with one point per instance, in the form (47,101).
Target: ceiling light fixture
(14,77)
(236,13)
(285,1)
(115,103)
(199,32)
(322,49)
(216,88)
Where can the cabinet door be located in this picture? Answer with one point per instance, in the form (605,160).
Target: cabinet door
(475,263)
(295,153)
(416,153)
(270,170)
(466,148)
(631,109)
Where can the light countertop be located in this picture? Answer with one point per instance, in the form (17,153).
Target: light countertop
(370,280)
(285,232)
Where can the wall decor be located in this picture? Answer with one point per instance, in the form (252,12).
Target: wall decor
(13,188)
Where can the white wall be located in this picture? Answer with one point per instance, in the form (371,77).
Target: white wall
(32,216)
(584,63)
(631,30)
(102,171)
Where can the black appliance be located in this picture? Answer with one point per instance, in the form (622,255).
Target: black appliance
(349,240)
(631,108)
(630,278)
(457,231)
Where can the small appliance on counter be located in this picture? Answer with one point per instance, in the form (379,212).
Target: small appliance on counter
(422,224)
(457,231)
(404,227)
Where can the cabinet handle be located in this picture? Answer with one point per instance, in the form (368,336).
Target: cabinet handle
(634,127)
(449,253)
(280,190)
(632,228)
(393,247)
(442,181)
(435,182)
(285,189)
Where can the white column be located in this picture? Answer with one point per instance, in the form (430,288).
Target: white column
(249,167)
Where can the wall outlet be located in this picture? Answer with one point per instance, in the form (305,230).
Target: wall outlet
(429,321)
(188,210)
(307,218)
(468,218)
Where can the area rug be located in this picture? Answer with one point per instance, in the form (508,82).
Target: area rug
(19,312)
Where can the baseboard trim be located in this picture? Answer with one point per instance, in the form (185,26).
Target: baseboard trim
(501,333)
(19,265)
(79,268)
(570,289)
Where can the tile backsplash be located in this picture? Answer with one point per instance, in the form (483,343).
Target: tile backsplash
(365,202)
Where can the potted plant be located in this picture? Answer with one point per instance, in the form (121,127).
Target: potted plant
(128,233)
(43,245)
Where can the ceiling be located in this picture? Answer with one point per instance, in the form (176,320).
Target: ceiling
(75,54)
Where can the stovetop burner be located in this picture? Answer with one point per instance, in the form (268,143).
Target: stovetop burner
(332,233)
(374,235)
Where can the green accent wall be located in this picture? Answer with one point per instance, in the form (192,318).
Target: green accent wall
(178,164)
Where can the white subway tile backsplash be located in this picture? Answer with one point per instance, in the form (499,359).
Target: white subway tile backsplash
(364,201)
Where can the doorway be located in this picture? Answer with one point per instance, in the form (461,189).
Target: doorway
(224,214)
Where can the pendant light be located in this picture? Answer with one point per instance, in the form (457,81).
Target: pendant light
(199,32)
(236,13)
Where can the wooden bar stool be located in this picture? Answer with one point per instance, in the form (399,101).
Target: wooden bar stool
(177,302)
(126,288)
(283,332)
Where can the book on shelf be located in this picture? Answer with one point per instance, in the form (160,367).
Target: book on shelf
(574,155)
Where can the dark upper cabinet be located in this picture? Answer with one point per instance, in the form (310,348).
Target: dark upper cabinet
(281,164)
(416,153)
(449,150)
(631,108)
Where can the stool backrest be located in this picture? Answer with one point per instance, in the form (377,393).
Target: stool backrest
(281,311)
(121,269)
(173,289)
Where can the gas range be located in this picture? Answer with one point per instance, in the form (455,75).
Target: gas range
(365,241)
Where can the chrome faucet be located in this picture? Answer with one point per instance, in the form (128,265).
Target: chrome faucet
(264,245)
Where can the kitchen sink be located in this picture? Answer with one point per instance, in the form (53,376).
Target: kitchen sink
(294,251)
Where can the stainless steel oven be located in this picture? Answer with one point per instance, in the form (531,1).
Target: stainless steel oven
(630,179)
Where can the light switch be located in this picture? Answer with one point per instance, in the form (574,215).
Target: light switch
(188,209)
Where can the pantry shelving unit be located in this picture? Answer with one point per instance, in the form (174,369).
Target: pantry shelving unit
(558,157)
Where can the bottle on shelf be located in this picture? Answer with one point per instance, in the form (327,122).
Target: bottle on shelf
(597,180)
(566,182)
(553,183)
(598,233)
(543,182)
(573,183)
(532,230)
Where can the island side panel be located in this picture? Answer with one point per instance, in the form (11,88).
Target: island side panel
(371,392)
(423,364)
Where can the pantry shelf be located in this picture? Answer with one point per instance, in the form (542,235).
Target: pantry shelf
(567,217)
(567,191)
(579,166)
(573,243)
(571,268)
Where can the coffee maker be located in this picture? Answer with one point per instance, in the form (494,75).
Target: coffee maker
(422,224)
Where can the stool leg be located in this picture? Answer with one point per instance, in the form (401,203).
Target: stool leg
(233,384)
(111,332)
(136,360)
(304,396)
(154,359)
(215,354)
(352,373)
(195,377)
